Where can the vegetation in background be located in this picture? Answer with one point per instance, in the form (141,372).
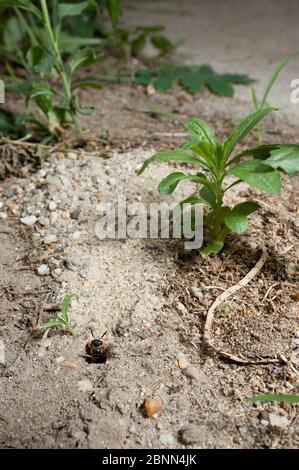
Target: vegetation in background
(193,78)
(276,397)
(262,102)
(217,161)
(62,321)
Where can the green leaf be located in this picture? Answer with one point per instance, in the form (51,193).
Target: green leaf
(162,43)
(71,9)
(24,4)
(258,175)
(238,79)
(82,58)
(12,125)
(113,7)
(236,219)
(143,77)
(138,44)
(200,131)
(179,156)
(169,184)
(54,322)
(13,29)
(213,247)
(276,397)
(208,195)
(286,158)
(243,128)
(220,87)
(192,81)
(261,152)
(65,306)
(164,80)
(69,44)
(40,60)
(87,84)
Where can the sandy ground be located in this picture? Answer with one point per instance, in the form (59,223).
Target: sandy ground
(150,295)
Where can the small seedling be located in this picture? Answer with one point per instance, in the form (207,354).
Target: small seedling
(262,102)
(62,321)
(217,162)
(279,397)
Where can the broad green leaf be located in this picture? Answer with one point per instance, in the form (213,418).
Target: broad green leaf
(219,86)
(192,81)
(208,195)
(13,29)
(276,397)
(143,77)
(169,184)
(71,9)
(69,43)
(52,323)
(261,152)
(213,247)
(66,304)
(138,44)
(164,80)
(243,128)
(82,58)
(201,132)
(236,219)
(286,158)
(258,175)
(179,156)
(40,60)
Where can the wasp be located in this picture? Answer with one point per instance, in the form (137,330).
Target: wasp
(96,350)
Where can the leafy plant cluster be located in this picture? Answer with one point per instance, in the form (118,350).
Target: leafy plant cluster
(193,78)
(62,321)
(218,161)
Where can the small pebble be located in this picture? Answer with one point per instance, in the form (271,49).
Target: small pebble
(192,373)
(59,359)
(9,192)
(75,214)
(196,292)
(85,385)
(3,215)
(166,439)
(2,352)
(1,205)
(278,421)
(51,238)
(52,206)
(182,361)
(44,221)
(181,308)
(28,220)
(152,406)
(53,218)
(191,434)
(43,270)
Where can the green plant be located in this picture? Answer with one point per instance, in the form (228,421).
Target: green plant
(62,321)
(193,78)
(43,60)
(276,397)
(262,102)
(217,162)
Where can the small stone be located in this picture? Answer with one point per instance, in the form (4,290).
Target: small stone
(28,220)
(85,385)
(46,343)
(2,352)
(151,245)
(44,221)
(1,205)
(65,215)
(75,235)
(53,218)
(264,422)
(59,359)
(191,434)
(182,361)
(75,214)
(52,206)
(167,439)
(181,308)
(111,181)
(56,273)
(278,421)
(51,238)
(196,292)
(72,155)
(9,192)
(43,270)
(152,406)
(82,197)
(42,173)
(3,215)
(192,373)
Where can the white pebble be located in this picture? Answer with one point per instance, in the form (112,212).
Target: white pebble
(3,215)
(278,421)
(29,220)
(1,205)
(85,385)
(2,352)
(51,238)
(192,373)
(44,221)
(167,439)
(43,270)
(52,206)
